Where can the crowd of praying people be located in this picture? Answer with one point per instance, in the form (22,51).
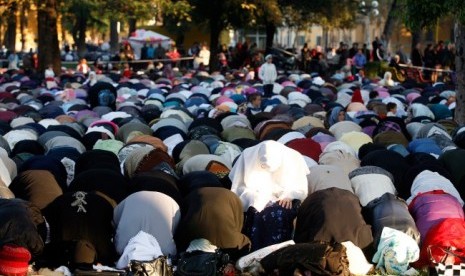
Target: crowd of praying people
(279,172)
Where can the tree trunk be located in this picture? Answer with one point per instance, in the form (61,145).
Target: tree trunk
(391,21)
(10,34)
(325,37)
(81,22)
(61,20)
(114,39)
(180,37)
(48,48)
(215,30)
(459,32)
(132,22)
(1,32)
(23,24)
(270,29)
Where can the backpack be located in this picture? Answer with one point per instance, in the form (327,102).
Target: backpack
(201,263)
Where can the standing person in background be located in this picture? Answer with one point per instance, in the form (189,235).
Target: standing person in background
(150,52)
(333,60)
(451,52)
(223,61)
(27,61)
(174,56)
(143,52)
(160,52)
(128,53)
(35,61)
(429,56)
(354,50)
(204,56)
(322,64)
(305,57)
(429,59)
(224,57)
(402,55)
(381,53)
(441,53)
(359,60)
(13,61)
(417,57)
(343,55)
(375,46)
(268,74)
(366,52)
(193,52)
(83,67)
(438,57)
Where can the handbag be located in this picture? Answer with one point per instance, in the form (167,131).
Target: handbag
(441,258)
(157,267)
(201,263)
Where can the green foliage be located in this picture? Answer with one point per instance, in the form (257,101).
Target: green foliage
(328,13)
(177,11)
(425,13)
(133,9)
(224,13)
(269,11)
(77,12)
(7,5)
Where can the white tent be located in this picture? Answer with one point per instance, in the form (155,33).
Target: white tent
(141,37)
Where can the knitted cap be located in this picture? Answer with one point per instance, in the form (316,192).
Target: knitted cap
(14,260)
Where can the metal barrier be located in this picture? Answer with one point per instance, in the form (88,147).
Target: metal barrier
(73,64)
(426,68)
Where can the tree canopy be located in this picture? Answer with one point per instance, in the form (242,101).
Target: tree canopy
(425,13)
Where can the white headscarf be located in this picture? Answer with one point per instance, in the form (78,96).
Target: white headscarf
(269,172)
(339,145)
(142,247)
(428,181)
(16,135)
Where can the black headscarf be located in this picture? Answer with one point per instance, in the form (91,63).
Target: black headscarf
(392,162)
(97,159)
(108,182)
(196,180)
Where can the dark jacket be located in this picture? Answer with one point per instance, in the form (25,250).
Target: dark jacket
(81,222)
(417,59)
(390,211)
(332,215)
